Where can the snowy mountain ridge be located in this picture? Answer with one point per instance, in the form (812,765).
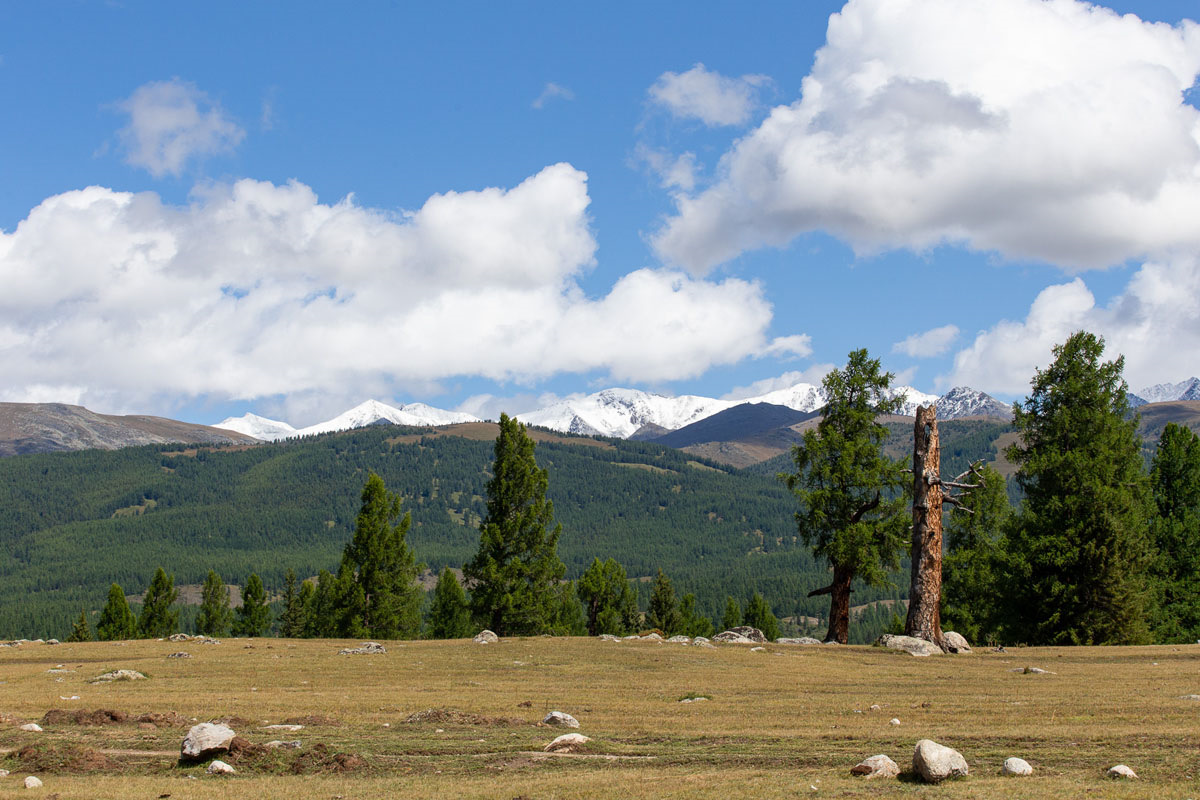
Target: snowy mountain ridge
(1168,392)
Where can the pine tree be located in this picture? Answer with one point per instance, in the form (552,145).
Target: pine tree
(307,603)
(82,632)
(116,622)
(514,574)
(663,612)
(1080,549)
(759,615)
(291,622)
(158,618)
(1175,484)
(385,601)
(692,623)
(254,615)
(851,496)
(567,619)
(214,617)
(732,617)
(449,616)
(972,602)
(610,604)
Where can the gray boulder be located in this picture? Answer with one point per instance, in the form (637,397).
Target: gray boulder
(909,644)
(742,634)
(561,719)
(204,740)
(800,640)
(1016,766)
(365,649)
(219,767)
(119,675)
(934,762)
(486,637)
(879,766)
(567,743)
(1121,772)
(33,782)
(955,642)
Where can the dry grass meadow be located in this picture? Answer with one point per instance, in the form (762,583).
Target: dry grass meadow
(788,722)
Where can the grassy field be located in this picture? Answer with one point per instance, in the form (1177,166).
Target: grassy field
(787,722)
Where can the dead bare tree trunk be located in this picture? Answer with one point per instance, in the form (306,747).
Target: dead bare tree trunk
(839,605)
(925,595)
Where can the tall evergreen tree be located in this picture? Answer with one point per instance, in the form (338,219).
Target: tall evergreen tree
(732,616)
(291,622)
(567,619)
(82,632)
(610,604)
(384,601)
(308,606)
(254,615)
(449,616)
(692,622)
(1175,484)
(663,612)
(158,617)
(972,590)
(1080,549)
(515,571)
(214,617)
(759,615)
(852,505)
(116,622)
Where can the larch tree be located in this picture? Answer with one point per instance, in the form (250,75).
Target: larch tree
(973,568)
(514,574)
(253,615)
(759,615)
(1080,549)
(214,617)
(117,621)
(81,632)
(449,616)
(851,495)
(291,622)
(159,618)
(1175,485)
(663,611)
(732,616)
(610,604)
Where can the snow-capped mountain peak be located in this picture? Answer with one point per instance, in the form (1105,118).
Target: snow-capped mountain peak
(1169,392)
(621,412)
(963,401)
(373,411)
(259,427)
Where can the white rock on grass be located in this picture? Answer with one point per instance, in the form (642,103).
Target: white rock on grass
(956,642)
(800,640)
(32,783)
(219,768)
(894,721)
(32,727)
(1190,697)
(3,773)
(934,762)
(909,644)
(276,744)
(740,635)
(680,640)
(561,719)
(567,743)
(119,675)
(486,637)
(282,727)
(1120,771)
(608,637)
(1016,766)
(364,649)
(702,641)
(879,766)
(205,739)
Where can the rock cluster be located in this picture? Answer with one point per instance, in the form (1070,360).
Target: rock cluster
(740,635)
(909,644)
(365,649)
(800,640)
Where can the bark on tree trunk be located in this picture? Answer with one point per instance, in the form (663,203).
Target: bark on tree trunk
(925,595)
(839,606)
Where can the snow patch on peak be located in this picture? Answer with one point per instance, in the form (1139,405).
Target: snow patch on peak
(1169,392)
(912,399)
(269,430)
(373,411)
(622,412)
(963,401)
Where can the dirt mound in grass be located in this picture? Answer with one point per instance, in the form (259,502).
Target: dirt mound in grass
(313,721)
(164,720)
(101,716)
(65,759)
(321,759)
(452,716)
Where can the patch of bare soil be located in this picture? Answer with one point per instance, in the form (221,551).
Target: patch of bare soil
(452,716)
(321,759)
(105,716)
(234,722)
(70,758)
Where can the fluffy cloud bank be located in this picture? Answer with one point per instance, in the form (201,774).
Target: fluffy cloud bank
(172,123)
(256,290)
(1154,323)
(1045,129)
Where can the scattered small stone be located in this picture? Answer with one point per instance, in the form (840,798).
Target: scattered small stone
(289,745)
(758,649)
(934,762)
(1016,766)
(560,718)
(567,743)
(909,644)
(207,640)
(1033,671)
(955,642)
(608,637)
(894,721)
(875,707)
(205,739)
(1120,771)
(1190,697)
(281,727)
(32,727)
(219,767)
(365,649)
(702,641)
(179,637)
(800,640)
(680,640)
(3,773)
(879,766)
(180,655)
(486,637)
(693,699)
(119,675)
(32,782)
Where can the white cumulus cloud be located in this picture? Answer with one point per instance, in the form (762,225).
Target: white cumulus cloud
(930,343)
(1041,129)
(257,290)
(1154,323)
(708,96)
(172,123)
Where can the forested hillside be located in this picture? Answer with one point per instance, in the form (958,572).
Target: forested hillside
(72,523)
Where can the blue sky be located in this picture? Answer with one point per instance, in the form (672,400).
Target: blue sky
(299,206)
